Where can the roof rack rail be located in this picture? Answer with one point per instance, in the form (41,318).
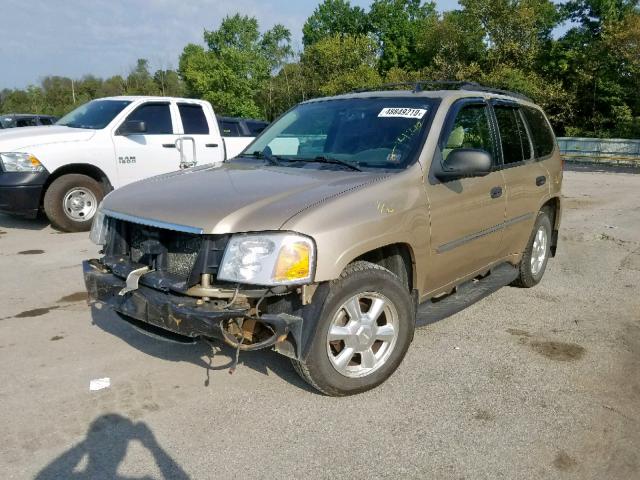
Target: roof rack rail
(420,85)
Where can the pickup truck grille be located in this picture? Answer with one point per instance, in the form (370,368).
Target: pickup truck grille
(182,256)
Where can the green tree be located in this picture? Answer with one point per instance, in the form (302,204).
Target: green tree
(140,81)
(333,17)
(237,63)
(397,25)
(341,63)
(168,83)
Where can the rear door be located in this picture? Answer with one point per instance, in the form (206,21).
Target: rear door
(526,178)
(466,214)
(150,153)
(200,142)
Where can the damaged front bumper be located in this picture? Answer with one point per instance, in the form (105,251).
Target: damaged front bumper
(189,316)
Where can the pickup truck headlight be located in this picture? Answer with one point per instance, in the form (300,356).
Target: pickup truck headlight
(268,259)
(100,227)
(20,162)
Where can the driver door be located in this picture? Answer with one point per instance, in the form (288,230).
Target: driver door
(466,214)
(152,152)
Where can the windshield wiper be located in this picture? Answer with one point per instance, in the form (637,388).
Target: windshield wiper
(335,161)
(269,157)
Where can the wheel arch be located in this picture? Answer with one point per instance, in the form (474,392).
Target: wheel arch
(79,168)
(395,257)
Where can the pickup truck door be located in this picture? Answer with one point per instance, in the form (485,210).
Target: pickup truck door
(200,142)
(467,215)
(148,153)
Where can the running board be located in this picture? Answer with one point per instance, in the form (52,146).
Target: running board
(466,294)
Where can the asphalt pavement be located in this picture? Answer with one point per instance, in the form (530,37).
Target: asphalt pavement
(525,384)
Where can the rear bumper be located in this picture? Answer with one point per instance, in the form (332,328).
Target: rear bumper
(20,193)
(178,314)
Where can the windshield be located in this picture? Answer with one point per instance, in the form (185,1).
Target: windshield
(362,132)
(7,122)
(94,115)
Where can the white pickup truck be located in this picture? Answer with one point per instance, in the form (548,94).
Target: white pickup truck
(66,169)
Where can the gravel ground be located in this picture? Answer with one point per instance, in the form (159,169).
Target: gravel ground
(539,383)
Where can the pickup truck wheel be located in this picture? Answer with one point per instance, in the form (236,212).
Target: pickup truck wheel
(71,201)
(364,330)
(535,258)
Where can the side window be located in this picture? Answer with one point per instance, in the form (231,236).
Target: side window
(156,116)
(45,121)
(230,129)
(26,122)
(541,133)
(256,127)
(513,135)
(470,130)
(193,120)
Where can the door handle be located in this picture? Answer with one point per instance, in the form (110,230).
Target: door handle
(496,192)
(541,180)
(169,145)
(211,145)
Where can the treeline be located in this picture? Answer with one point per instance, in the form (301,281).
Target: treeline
(587,79)
(58,95)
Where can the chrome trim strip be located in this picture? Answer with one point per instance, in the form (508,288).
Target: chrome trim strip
(152,223)
(468,238)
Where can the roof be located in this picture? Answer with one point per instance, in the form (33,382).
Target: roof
(440,94)
(133,98)
(26,115)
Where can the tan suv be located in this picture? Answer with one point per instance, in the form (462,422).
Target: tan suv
(343,224)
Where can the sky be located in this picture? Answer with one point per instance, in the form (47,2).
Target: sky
(106,37)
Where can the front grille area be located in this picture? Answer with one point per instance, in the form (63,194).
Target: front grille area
(181,249)
(183,256)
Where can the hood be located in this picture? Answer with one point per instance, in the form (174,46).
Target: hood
(19,138)
(233,197)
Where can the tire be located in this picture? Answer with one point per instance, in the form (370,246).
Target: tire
(360,285)
(71,201)
(531,272)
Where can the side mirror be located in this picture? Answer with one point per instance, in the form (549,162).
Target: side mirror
(133,127)
(465,162)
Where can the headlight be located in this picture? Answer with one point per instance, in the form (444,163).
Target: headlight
(268,259)
(20,162)
(100,227)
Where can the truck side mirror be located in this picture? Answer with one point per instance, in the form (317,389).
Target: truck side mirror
(464,162)
(133,127)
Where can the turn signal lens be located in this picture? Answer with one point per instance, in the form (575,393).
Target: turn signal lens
(294,262)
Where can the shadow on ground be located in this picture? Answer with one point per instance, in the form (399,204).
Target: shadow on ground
(201,353)
(9,221)
(99,455)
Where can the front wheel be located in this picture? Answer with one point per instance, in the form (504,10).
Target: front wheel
(71,201)
(364,331)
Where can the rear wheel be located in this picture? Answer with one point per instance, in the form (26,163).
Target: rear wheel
(535,258)
(364,331)
(71,201)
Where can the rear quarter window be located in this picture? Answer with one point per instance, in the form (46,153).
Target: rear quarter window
(541,134)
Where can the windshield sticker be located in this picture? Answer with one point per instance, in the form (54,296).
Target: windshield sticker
(402,112)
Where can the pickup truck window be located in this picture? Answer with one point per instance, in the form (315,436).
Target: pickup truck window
(363,132)
(230,129)
(94,115)
(193,120)
(156,116)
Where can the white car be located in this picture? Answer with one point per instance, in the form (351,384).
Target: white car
(66,169)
